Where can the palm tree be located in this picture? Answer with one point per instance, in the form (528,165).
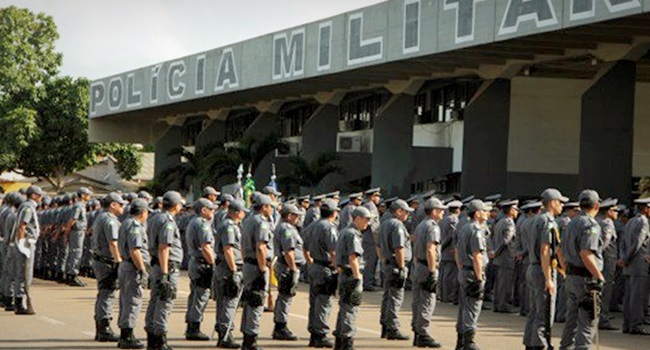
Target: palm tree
(192,173)
(310,174)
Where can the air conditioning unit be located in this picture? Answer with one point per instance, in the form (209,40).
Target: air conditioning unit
(290,149)
(348,143)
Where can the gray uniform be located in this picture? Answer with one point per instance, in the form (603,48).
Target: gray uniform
(349,243)
(132,235)
(370,241)
(504,261)
(471,239)
(219,216)
(521,267)
(312,215)
(393,236)
(162,231)
(636,247)
(345,217)
(105,230)
(228,234)
(63,247)
(76,239)
(256,228)
(543,230)
(24,266)
(7,221)
(320,240)
(560,305)
(448,268)
(610,255)
(583,233)
(199,232)
(424,302)
(286,239)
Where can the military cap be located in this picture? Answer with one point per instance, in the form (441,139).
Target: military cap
(84,190)
(412,199)
(209,190)
(262,199)
(400,204)
(330,204)
(644,201)
(320,197)
(373,191)
(428,194)
(493,197)
(362,212)
(226,197)
(145,195)
(67,198)
(588,198)
(343,202)
(572,205)
(140,204)
(454,204)
(238,205)
(172,198)
(157,200)
(355,195)
(466,200)
(608,203)
(291,201)
(335,194)
(46,200)
(531,205)
(23,190)
(476,205)
(34,189)
(434,203)
(621,207)
(304,198)
(509,203)
(550,194)
(270,190)
(290,209)
(203,203)
(114,197)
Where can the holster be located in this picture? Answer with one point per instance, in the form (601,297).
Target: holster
(349,292)
(204,279)
(286,284)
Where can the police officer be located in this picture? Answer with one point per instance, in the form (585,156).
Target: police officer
(571,210)
(313,213)
(320,243)
(13,200)
(62,220)
(583,252)
(133,272)
(370,240)
(348,255)
(76,229)
(448,267)
(288,247)
(211,194)
(608,213)
(303,206)
(419,214)
(228,273)
(531,209)
(222,212)
(635,258)
(426,256)
(504,259)
(395,247)
(471,258)
(200,238)
(257,235)
(166,256)
(106,258)
(345,218)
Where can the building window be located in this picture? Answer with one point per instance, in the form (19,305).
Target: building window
(358,110)
(237,123)
(442,101)
(293,116)
(191,129)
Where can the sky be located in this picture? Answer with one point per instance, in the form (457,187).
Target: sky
(99,38)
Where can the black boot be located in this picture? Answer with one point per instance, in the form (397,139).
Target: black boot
(347,343)
(337,343)
(321,341)
(250,342)
(193,332)
(2,300)
(74,281)
(104,333)
(128,340)
(21,309)
(227,342)
(468,341)
(281,332)
(162,342)
(459,342)
(415,338)
(425,341)
(9,304)
(150,340)
(396,334)
(383,332)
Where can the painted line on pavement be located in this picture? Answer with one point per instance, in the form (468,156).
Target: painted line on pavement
(361,329)
(89,334)
(50,320)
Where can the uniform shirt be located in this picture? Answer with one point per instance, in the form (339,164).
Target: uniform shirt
(542,230)
(219,216)
(163,230)
(199,232)
(27,215)
(370,237)
(78,214)
(637,236)
(228,233)
(609,237)
(8,225)
(301,218)
(4,212)
(312,215)
(285,239)
(418,216)
(582,233)
(394,235)
(427,231)
(448,233)
(345,217)
(321,239)
(349,243)
(385,217)
(257,228)
(471,238)
(132,235)
(106,228)
(504,243)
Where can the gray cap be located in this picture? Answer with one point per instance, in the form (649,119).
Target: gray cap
(389,201)
(209,190)
(114,197)
(355,195)
(434,203)
(270,190)
(203,203)
(226,197)
(373,191)
(130,196)
(588,198)
(84,190)
(320,197)
(46,200)
(468,199)
(330,204)
(363,212)
(400,204)
(428,195)
(288,208)
(172,198)
(158,199)
(476,205)
(304,198)
(509,203)
(550,194)
(238,205)
(644,201)
(34,189)
(335,194)
(262,199)
(531,205)
(493,198)
(455,204)
(145,195)
(571,205)
(140,204)
(608,203)
(412,199)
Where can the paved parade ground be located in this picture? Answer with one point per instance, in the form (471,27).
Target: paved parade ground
(64,320)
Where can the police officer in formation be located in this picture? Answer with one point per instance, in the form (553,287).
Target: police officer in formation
(200,238)
(133,273)
(607,215)
(166,257)
(571,210)
(448,267)
(345,217)
(370,240)
(531,209)
(504,260)
(76,232)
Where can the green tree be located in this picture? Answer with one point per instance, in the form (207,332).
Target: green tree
(309,174)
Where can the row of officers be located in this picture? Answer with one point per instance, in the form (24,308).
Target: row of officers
(232,251)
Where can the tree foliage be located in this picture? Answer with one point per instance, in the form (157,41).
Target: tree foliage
(309,174)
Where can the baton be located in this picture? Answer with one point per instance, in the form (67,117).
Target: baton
(594,297)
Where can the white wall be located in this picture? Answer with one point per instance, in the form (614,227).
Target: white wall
(545,125)
(447,135)
(641,157)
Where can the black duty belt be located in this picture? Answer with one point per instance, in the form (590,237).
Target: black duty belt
(324,263)
(282,261)
(578,271)
(103,259)
(171,265)
(468,268)
(423,262)
(251,261)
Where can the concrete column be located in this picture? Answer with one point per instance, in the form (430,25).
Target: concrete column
(264,125)
(606,132)
(320,131)
(485,140)
(392,146)
(214,132)
(170,140)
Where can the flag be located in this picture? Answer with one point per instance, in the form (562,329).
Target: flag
(249,187)
(273,177)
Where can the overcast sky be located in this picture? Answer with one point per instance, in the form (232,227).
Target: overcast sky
(99,38)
